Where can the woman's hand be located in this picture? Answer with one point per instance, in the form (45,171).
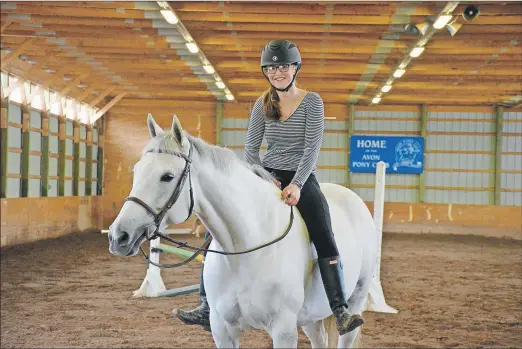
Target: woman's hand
(291,194)
(276,182)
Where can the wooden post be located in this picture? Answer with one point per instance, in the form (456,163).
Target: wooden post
(219,121)
(351,126)
(499,118)
(424,133)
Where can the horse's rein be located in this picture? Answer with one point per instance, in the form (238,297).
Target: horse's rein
(158,217)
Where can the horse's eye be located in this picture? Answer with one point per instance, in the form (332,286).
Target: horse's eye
(167,177)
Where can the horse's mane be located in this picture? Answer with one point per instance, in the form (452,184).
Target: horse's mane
(222,158)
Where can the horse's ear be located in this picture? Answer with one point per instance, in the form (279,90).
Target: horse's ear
(154,129)
(177,130)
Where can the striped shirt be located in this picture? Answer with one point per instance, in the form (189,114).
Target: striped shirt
(293,144)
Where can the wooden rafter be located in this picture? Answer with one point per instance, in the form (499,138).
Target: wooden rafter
(109,105)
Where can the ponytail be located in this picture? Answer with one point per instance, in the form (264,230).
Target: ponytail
(271,104)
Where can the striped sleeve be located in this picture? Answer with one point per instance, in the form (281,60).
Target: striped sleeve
(255,133)
(314,130)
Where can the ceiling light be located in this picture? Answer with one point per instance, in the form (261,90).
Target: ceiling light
(376,100)
(80,85)
(399,72)
(209,69)
(230,97)
(416,52)
(386,88)
(170,16)
(442,21)
(453,28)
(415,29)
(192,47)
(220,84)
(67,78)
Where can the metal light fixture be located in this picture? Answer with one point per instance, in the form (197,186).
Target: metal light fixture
(399,72)
(386,88)
(417,51)
(209,69)
(442,21)
(192,47)
(170,16)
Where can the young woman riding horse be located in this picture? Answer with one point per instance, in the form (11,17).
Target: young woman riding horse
(292,120)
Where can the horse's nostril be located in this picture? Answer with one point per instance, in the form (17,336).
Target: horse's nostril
(123,239)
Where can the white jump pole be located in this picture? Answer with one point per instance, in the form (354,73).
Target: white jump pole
(376,301)
(153,284)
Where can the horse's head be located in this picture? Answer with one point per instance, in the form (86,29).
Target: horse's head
(161,179)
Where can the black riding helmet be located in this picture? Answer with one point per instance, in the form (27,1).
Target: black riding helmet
(281,52)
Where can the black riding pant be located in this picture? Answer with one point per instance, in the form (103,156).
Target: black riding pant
(315,212)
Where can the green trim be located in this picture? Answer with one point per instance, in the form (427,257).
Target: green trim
(61,168)
(99,179)
(88,170)
(99,175)
(424,133)
(351,126)
(26,148)
(76,161)
(3,162)
(45,166)
(497,148)
(219,121)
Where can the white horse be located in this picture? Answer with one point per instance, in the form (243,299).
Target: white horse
(277,288)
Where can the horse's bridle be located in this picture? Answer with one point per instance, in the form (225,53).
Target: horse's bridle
(158,217)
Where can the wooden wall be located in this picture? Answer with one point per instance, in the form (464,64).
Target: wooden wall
(49,169)
(127,134)
(30,219)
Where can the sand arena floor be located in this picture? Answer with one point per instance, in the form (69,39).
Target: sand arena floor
(71,292)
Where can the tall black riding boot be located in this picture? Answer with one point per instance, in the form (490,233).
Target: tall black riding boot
(200,315)
(333,280)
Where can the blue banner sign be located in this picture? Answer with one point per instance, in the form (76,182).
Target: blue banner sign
(400,154)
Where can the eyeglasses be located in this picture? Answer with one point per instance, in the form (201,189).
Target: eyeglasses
(272,69)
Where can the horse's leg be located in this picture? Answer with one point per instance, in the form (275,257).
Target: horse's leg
(225,336)
(284,330)
(351,339)
(315,332)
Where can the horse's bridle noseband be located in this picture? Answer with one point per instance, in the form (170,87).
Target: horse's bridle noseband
(158,217)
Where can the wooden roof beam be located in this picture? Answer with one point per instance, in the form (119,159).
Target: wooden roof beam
(101,96)
(18,51)
(109,106)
